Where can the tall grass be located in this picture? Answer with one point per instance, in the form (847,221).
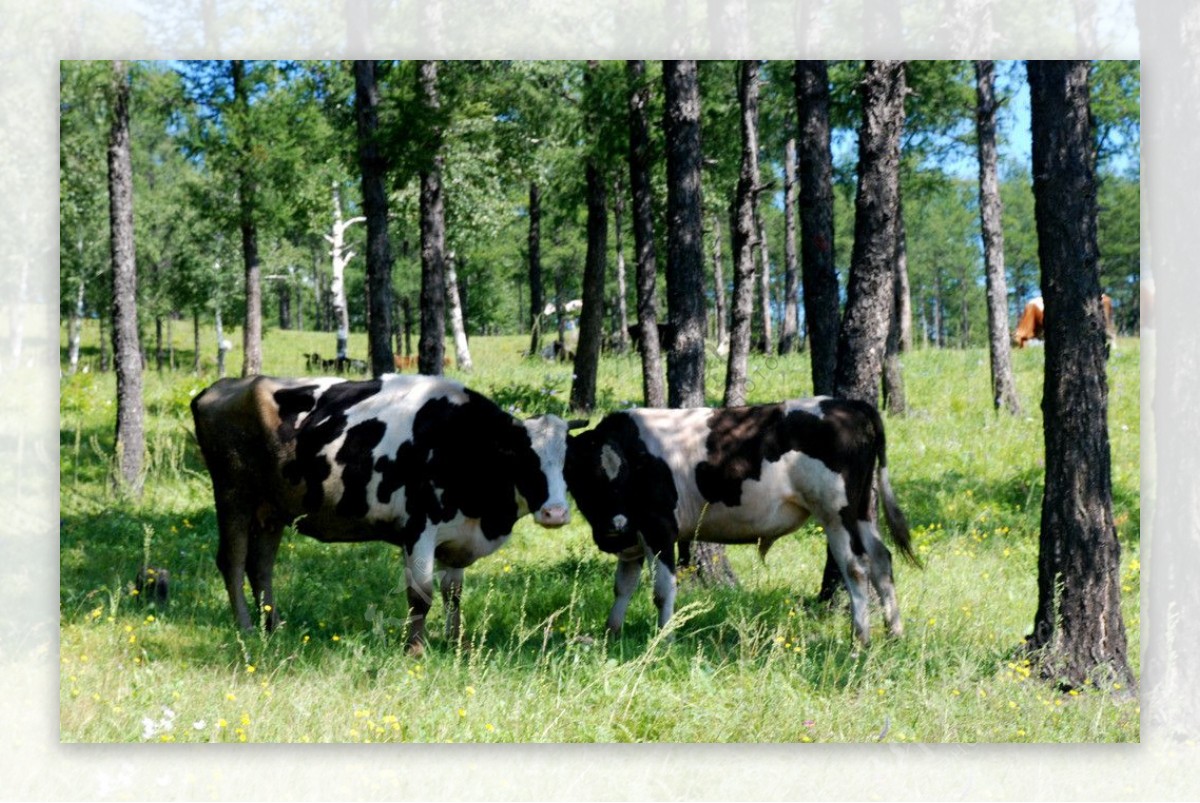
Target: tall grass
(760,662)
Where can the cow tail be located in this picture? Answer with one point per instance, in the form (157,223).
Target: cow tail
(897,523)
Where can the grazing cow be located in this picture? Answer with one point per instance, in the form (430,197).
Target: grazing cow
(1031,326)
(645,479)
(420,462)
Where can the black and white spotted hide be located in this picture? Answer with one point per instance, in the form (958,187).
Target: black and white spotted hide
(420,462)
(647,479)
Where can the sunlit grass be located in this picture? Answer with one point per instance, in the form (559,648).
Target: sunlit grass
(759,662)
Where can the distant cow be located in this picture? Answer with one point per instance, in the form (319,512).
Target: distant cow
(645,479)
(1031,326)
(420,462)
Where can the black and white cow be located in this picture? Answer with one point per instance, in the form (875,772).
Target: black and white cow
(645,479)
(420,462)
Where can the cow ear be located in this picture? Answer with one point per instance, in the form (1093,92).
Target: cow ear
(578,423)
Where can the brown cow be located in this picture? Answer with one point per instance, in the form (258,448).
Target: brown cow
(1031,325)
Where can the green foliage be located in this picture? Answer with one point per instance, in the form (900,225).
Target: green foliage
(760,662)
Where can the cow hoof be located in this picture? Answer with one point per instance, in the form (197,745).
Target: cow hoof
(416,649)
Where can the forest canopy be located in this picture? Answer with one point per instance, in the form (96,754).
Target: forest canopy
(506,125)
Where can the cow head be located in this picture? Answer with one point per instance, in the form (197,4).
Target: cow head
(546,494)
(600,477)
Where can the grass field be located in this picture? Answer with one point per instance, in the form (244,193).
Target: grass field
(756,663)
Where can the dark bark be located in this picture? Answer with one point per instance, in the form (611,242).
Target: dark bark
(284,293)
(1004,390)
(1078,631)
(375,209)
(130,432)
(158,343)
(869,295)
(743,230)
(788,339)
(643,235)
(591,318)
(685,271)
(685,276)
(431,348)
(247,211)
(536,300)
(818,275)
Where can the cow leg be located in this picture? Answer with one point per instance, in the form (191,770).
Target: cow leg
(664,583)
(629,572)
(260,564)
(452,583)
(881,575)
(234,526)
(418,571)
(854,575)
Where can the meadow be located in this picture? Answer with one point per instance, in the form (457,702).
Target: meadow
(760,662)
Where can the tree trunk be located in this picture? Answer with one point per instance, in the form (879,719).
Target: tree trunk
(130,446)
(685,280)
(643,235)
(158,343)
(722,333)
(869,295)
(685,272)
(743,230)
(764,281)
(1078,631)
(560,318)
(462,352)
(105,343)
(591,319)
(375,209)
(903,290)
(75,326)
(284,292)
(622,309)
(222,345)
(788,340)
(299,296)
(818,275)
(337,286)
(1004,390)
(247,207)
(536,299)
(431,348)
(893,377)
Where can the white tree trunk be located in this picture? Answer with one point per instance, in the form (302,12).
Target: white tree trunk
(462,354)
(222,345)
(341,258)
(622,309)
(74,325)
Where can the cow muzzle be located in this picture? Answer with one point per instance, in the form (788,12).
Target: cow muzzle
(552,515)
